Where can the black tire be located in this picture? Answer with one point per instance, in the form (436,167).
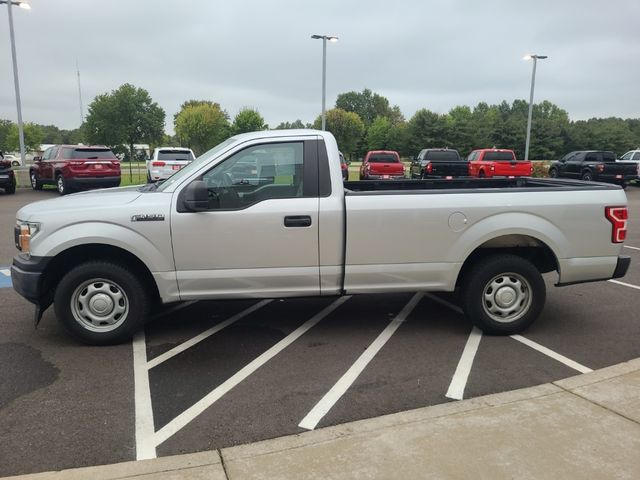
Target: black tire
(520,285)
(15,163)
(587,176)
(35,183)
(61,185)
(11,189)
(553,173)
(118,307)
(149,178)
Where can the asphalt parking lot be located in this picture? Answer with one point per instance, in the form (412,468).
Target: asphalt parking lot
(208,375)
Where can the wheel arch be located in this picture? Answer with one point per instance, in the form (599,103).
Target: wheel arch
(67,259)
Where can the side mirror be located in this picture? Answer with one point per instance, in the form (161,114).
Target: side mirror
(196,196)
(37,159)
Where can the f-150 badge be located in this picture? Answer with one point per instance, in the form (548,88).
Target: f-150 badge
(148,217)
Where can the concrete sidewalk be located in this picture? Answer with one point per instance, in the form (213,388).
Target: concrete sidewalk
(581,427)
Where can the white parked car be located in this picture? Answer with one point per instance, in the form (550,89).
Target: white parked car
(633,156)
(166,161)
(15,161)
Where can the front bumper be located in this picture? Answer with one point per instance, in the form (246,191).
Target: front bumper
(27,275)
(7,178)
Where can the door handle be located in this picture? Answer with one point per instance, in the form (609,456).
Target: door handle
(297,221)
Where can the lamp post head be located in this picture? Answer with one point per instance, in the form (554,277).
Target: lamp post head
(530,56)
(331,38)
(24,5)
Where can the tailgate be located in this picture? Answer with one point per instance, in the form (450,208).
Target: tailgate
(450,169)
(516,168)
(386,168)
(621,168)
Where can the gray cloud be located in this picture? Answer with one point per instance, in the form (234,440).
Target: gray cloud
(420,54)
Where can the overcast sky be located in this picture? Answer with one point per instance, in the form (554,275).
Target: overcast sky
(419,54)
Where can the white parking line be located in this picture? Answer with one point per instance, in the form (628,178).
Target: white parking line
(145,429)
(550,353)
(192,412)
(207,333)
(332,396)
(460,377)
(632,248)
(6,272)
(625,284)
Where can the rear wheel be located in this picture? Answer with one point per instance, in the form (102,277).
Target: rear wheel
(35,183)
(15,163)
(61,184)
(481,174)
(101,302)
(11,189)
(503,294)
(587,176)
(553,173)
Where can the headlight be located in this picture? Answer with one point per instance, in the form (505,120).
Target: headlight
(23,234)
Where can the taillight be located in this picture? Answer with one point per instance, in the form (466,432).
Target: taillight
(618,217)
(157,164)
(600,167)
(429,168)
(116,164)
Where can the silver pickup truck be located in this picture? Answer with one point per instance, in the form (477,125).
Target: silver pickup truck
(267,214)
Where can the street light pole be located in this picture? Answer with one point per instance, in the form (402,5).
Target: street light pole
(26,6)
(533,83)
(324,38)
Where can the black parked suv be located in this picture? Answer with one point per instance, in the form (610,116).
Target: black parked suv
(7,177)
(439,163)
(594,165)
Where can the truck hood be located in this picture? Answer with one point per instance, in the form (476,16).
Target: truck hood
(94,200)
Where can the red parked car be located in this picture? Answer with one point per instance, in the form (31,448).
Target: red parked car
(7,177)
(381,164)
(75,167)
(497,162)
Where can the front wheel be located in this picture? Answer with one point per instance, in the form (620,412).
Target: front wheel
(35,183)
(101,303)
(553,173)
(503,294)
(11,189)
(587,176)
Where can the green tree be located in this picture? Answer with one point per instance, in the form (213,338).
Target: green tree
(347,127)
(193,103)
(427,129)
(201,127)
(127,116)
(368,105)
(378,134)
(32,137)
(248,120)
(5,127)
(293,125)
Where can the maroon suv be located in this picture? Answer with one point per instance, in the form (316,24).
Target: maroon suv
(75,167)
(7,178)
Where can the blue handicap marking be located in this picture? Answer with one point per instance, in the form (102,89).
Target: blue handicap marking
(5,277)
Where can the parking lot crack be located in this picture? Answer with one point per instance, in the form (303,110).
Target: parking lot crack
(224,466)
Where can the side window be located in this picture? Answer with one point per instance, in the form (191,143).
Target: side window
(67,153)
(626,156)
(255,174)
(636,156)
(592,157)
(53,153)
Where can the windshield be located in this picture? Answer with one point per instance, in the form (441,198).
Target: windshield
(443,155)
(195,165)
(91,154)
(383,158)
(499,156)
(175,155)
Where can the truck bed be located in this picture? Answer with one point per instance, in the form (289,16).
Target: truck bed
(459,185)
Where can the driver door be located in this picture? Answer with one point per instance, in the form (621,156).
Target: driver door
(259,234)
